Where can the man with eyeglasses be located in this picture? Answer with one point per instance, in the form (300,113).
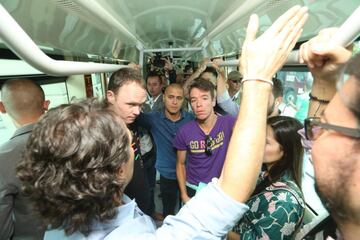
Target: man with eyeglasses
(229,100)
(333,127)
(204,140)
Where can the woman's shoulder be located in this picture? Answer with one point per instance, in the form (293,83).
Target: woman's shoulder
(287,187)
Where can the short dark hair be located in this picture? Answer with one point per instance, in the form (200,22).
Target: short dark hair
(204,85)
(70,165)
(122,77)
(278,89)
(154,74)
(285,131)
(211,70)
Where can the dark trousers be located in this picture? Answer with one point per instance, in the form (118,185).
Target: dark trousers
(169,195)
(150,174)
(191,192)
(138,188)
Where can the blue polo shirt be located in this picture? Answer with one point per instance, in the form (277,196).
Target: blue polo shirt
(164,131)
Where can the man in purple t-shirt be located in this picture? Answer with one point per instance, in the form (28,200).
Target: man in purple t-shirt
(204,140)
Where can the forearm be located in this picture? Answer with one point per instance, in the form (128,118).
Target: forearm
(227,104)
(189,81)
(221,84)
(249,132)
(322,89)
(181,177)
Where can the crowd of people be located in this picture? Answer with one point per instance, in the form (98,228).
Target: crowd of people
(233,162)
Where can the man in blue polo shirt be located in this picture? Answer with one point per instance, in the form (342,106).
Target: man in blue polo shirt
(163,126)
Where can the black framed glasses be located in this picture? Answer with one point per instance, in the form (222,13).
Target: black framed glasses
(236,81)
(314,128)
(208,145)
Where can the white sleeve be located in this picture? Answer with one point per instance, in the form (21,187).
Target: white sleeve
(229,106)
(211,214)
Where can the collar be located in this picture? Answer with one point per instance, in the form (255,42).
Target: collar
(154,100)
(23,130)
(182,115)
(124,213)
(236,95)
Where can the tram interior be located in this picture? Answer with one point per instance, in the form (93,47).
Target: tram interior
(119,32)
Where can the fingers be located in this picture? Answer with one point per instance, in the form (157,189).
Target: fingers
(290,33)
(279,24)
(317,51)
(251,31)
(252,28)
(337,54)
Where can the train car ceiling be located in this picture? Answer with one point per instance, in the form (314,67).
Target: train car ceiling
(119,29)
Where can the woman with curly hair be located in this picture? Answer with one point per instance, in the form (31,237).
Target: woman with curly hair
(79,160)
(277,204)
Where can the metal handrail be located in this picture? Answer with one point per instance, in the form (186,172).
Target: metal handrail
(23,46)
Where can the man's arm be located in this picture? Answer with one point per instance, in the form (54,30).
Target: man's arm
(223,98)
(195,75)
(144,120)
(227,104)
(261,58)
(6,211)
(325,62)
(181,174)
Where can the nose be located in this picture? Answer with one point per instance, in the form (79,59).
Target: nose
(137,110)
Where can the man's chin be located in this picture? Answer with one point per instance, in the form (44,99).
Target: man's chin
(130,120)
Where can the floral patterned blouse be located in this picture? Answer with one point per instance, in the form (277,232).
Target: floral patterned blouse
(274,213)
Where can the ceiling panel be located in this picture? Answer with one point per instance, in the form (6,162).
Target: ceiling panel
(72,29)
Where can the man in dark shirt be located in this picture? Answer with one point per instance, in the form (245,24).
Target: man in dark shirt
(125,96)
(24,101)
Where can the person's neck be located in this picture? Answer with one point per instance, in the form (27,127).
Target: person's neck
(348,231)
(26,121)
(208,124)
(173,116)
(232,92)
(154,97)
(268,166)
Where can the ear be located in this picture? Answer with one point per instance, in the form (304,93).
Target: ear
(46,105)
(278,100)
(110,96)
(281,151)
(121,173)
(214,100)
(2,108)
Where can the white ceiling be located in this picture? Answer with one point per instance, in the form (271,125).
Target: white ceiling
(119,28)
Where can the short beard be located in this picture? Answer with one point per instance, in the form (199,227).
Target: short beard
(335,195)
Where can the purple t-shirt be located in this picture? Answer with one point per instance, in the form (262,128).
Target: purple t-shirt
(200,167)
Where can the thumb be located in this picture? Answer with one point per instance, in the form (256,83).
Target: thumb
(252,28)
(338,54)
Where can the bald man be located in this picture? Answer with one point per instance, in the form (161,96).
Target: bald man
(24,101)
(163,126)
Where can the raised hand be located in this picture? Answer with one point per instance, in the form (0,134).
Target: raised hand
(262,57)
(323,58)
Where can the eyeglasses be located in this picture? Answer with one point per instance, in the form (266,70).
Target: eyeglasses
(208,145)
(314,128)
(236,81)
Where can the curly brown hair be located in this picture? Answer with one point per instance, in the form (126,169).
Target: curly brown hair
(71,163)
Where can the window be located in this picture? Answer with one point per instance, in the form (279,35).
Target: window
(296,85)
